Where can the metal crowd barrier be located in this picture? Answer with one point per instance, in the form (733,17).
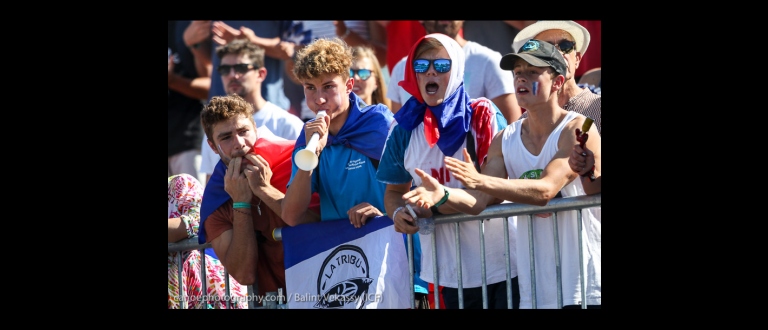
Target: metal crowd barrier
(555,205)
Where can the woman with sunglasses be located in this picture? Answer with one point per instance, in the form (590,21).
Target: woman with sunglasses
(369,82)
(371,88)
(441,120)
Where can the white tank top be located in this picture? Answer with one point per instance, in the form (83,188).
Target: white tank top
(521,164)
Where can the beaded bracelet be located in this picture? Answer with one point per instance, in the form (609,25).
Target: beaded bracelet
(395,213)
(241,205)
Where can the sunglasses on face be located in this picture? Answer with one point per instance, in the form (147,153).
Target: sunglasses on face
(441,65)
(241,68)
(364,74)
(566,46)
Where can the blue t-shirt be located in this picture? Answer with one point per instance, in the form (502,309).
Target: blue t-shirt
(343,178)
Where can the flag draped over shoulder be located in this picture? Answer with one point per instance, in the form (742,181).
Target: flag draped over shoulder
(276,152)
(364,130)
(447,123)
(333,265)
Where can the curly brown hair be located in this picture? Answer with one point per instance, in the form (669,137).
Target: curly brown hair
(321,57)
(222,108)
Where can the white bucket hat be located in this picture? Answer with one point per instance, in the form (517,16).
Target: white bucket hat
(579,33)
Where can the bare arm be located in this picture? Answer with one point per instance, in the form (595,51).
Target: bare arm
(508,106)
(223,34)
(377,34)
(197,37)
(238,251)
(431,191)
(196,88)
(395,106)
(466,201)
(176,230)
(259,175)
(289,64)
(236,248)
(554,177)
(193,88)
(299,193)
(404,222)
(582,160)
(297,197)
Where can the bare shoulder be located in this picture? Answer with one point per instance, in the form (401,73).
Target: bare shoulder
(568,136)
(496,143)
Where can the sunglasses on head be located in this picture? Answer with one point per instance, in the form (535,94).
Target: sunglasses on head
(566,46)
(241,68)
(364,74)
(442,65)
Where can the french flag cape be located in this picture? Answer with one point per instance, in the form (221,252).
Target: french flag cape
(333,265)
(276,152)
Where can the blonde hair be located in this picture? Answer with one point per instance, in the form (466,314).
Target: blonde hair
(323,56)
(380,94)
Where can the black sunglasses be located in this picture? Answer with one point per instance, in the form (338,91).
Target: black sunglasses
(566,46)
(241,68)
(442,65)
(364,74)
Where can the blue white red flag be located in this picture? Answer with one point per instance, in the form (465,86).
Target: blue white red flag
(333,265)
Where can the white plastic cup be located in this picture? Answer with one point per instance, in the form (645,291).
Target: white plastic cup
(306,159)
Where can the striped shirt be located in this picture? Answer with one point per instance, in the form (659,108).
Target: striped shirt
(585,103)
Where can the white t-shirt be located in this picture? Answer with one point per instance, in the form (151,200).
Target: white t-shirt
(278,122)
(395,93)
(483,77)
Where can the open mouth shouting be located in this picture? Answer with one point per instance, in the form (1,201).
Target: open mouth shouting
(431,88)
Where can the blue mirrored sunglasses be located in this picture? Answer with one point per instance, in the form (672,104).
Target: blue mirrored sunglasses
(364,74)
(442,65)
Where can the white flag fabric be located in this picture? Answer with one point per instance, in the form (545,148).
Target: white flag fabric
(333,265)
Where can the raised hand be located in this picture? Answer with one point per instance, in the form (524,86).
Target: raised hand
(258,172)
(582,160)
(464,171)
(404,222)
(427,193)
(197,32)
(235,182)
(582,135)
(320,126)
(223,33)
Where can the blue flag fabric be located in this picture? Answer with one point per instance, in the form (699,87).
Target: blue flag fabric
(333,265)
(216,195)
(363,131)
